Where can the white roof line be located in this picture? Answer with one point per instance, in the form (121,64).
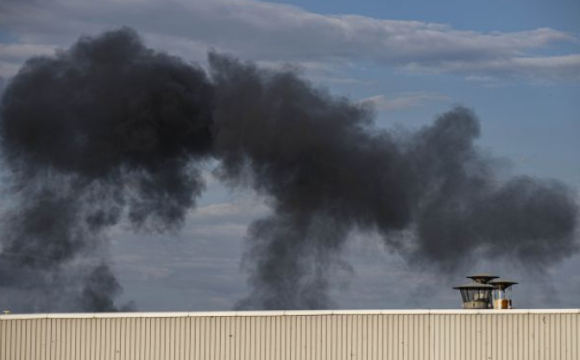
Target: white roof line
(286,313)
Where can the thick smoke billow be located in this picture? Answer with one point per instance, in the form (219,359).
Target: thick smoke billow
(100,289)
(110,130)
(327,171)
(105,130)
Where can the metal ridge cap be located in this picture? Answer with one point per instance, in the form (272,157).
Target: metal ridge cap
(284,313)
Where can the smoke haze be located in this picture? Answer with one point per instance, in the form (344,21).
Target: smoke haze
(111,131)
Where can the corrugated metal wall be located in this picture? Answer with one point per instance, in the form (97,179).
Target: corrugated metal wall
(401,335)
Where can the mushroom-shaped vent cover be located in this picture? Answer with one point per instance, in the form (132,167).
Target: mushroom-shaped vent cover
(502,284)
(482,278)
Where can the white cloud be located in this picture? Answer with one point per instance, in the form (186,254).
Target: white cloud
(548,68)
(403,101)
(275,32)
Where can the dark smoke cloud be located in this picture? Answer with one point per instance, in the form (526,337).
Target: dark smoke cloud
(100,289)
(327,171)
(103,129)
(111,130)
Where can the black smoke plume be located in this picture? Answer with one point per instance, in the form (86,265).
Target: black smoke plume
(105,130)
(111,130)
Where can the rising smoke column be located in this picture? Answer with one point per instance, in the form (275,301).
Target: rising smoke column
(314,158)
(326,171)
(111,130)
(105,130)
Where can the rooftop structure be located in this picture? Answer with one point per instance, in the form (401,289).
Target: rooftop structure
(486,292)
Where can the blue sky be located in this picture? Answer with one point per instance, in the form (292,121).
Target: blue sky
(492,15)
(516,63)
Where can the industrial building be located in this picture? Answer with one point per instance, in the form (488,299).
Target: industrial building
(486,329)
(304,335)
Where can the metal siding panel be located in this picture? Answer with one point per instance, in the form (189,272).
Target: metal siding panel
(140,325)
(225,338)
(566,329)
(17,340)
(68,339)
(75,338)
(277,341)
(2,339)
(245,338)
(185,336)
(53,337)
(450,341)
(9,337)
(150,346)
(405,336)
(195,337)
(99,340)
(573,337)
(457,341)
(21,339)
(434,323)
(570,340)
(393,338)
(202,329)
(105,340)
(34,340)
(469,348)
(361,339)
(164,338)
(232,337)
(502,343)
(76,353)
(129,338)
(540,338)
(553,341)
(14,343)
(123,332)
(212,340)
(415,336)
(255,351)
(251,336)
(523,337)
(363,336)
(266,338)
(112,338)
(321,337)
(37,343)
(313,321)
(24,340)
(425,341)
(383,336)
(397,351)
(447,336)
(376,339)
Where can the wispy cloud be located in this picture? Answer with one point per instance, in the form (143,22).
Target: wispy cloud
(275,32)
(13,55)
(403,101)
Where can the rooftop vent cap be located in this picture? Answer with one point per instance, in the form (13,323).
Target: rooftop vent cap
(502,293)
(482,278)
(486,292)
